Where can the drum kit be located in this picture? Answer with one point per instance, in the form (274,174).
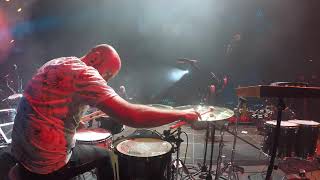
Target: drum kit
(148,154)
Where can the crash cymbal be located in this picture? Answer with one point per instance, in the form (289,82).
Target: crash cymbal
(161,106)
(209,113)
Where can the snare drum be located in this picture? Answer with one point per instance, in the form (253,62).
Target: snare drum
(287,138)
(143,158)
(307,138)
(97,137)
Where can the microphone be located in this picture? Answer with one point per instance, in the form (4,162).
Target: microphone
(185,60)
(192,62)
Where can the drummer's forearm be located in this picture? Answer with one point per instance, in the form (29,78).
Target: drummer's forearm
(138,116)
(145,116)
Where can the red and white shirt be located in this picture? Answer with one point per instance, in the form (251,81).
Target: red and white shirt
(49,112)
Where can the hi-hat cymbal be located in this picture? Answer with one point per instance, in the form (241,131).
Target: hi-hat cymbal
(161,106)
(209,113)
(13,97)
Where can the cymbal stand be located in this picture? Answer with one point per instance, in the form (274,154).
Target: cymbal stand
(204,166)
(232,171)
(281,106)
(220,171)
(211,127)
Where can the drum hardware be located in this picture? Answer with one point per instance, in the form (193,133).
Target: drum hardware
(233,169)
(210,116)
(177,163)
(178,160)
(13,100)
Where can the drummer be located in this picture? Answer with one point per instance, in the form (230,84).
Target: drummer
(53,100)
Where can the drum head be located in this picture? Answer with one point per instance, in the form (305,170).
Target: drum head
(144,147)
(305,122)
(283,123)
(90,135)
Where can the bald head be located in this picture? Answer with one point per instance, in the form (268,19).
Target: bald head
(105,59)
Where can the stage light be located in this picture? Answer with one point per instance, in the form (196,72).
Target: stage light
(7,0)
(177,74)
(19,10)
(12,41)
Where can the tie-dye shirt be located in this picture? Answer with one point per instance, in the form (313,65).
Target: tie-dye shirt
(50,110)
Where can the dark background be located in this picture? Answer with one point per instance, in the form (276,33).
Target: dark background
(279,42)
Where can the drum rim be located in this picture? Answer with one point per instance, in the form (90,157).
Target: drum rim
(293,125)
(95,141)
(92,130)
(117,142)
(296,121)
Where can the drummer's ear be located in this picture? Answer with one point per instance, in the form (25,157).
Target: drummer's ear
(93,58)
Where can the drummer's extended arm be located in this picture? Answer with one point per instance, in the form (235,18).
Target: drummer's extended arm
(135,115)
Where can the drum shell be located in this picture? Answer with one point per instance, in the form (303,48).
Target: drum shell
(143,168)
(306,139)
(286,143)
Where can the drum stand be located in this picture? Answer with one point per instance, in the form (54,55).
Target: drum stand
(207,175)
(281,106)
(233,169)
(177,163)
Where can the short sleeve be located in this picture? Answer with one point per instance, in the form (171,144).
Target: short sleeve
(91,88)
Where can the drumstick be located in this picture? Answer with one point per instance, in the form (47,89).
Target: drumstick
(92,116)
(178,124)
(181,123)
(210,110)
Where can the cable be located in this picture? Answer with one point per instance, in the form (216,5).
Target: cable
(185,155)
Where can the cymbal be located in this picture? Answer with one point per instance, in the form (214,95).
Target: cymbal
(7,110)
(209,113)
(161,106)
(14,96)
